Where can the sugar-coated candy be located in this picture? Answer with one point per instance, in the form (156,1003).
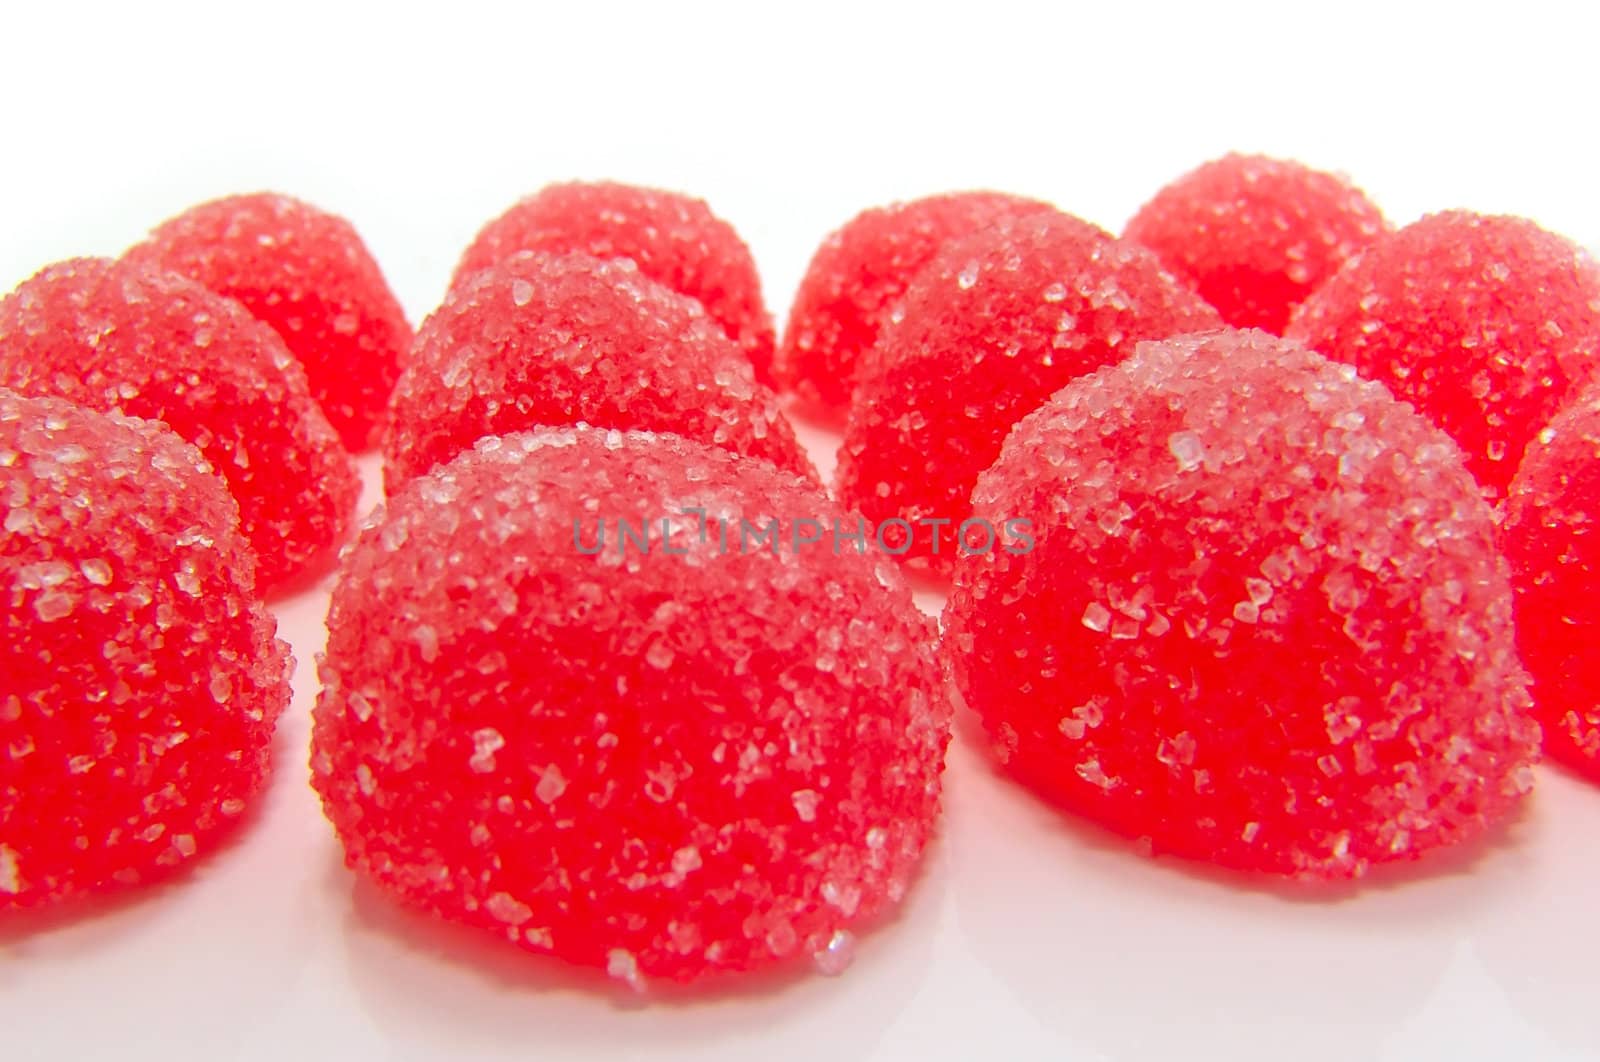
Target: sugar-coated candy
(308,274)
(1549,538)
(674,239)
(857,277)
(142,675)
(613,696)
(1264,622)
(1255,235)
(991,328)
(1488,325)
(116,337)
(555,340)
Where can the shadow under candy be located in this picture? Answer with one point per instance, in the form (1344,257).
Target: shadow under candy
(1543,951)
(1165,958)
(439,989)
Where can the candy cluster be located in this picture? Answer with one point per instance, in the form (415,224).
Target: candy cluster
(1267,528)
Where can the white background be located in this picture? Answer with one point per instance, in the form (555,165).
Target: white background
(1028,936)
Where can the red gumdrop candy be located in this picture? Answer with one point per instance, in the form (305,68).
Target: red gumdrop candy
(674,240)
(308,274)
(558,340)
(142,678)
(661,753)
(991,328)
(1548,536)
(857,277)
(1264,622)
(1254,235)
(1486,324)
(117,338)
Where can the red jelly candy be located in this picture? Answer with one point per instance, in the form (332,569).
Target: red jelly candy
(857,278)
(1264,622)
(308,275)
(117,338)
(1254,236)
(660,752)
(1548,536)
(1485,324)
(675,240)
(142,678)
(555,340)
(995,325)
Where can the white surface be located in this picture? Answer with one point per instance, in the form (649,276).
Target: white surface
(1028,936)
